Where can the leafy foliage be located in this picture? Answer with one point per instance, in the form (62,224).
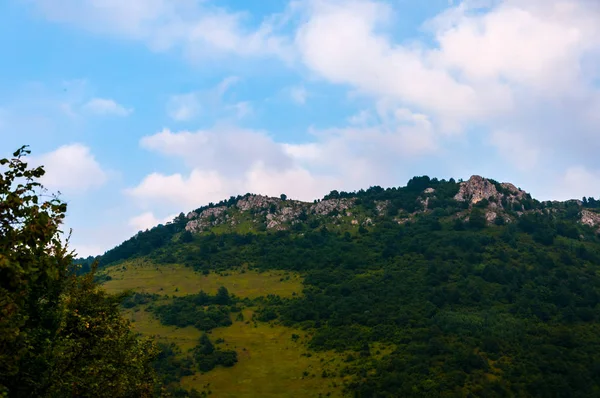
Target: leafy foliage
(207,357)
(60,335)
(201,310)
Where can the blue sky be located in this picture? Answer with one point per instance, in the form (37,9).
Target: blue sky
(146,108)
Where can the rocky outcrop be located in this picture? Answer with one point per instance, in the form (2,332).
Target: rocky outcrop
(275,213)
(590,218)
(381,206)
(325,207)
(475,190)
(478,188)
(254,202)
(490,216)
(285,215)
(207,218)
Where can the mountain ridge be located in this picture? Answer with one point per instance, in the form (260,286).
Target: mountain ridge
(498,199)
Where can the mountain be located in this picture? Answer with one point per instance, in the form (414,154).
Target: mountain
(438,288)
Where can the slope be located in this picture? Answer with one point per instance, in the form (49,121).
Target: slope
(474,287)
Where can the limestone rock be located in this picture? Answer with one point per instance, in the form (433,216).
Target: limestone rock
(381,206)
(325,207)
(254,202)
(475,190)
(478,188)
(207,218)
(490,216)
(590,218)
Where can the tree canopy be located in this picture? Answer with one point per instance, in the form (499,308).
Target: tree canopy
(60,334)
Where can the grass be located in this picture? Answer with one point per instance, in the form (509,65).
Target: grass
(270,363)
(174,279)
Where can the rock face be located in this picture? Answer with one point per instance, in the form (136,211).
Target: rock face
(287,214)
(478,188)
(381,206)
(277,214)
(207,218)
(325,207)
(475,190)
(590,218)
(256,202)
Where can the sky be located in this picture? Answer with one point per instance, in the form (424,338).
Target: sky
(143,109)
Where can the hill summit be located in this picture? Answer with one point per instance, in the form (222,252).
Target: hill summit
(260,212)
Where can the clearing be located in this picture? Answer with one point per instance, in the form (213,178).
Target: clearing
(177,280)
(270,362)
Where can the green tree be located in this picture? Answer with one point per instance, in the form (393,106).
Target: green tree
(60,335)
(222,296)
(477,218)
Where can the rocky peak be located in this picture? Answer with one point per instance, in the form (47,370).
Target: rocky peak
(325,207)
(478,188)
(256,202)
(590,218)
(475,190)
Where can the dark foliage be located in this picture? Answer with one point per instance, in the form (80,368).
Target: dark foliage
(201,310)
(207,357)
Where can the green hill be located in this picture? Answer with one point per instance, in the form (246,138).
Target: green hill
(439,288)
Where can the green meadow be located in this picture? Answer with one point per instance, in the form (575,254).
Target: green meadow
(177,280)
(270,362)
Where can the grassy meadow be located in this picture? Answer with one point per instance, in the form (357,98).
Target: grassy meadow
(270,362)
(177,280)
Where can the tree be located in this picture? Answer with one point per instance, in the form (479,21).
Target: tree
(477,219)
(60,335)
(283,196)
(222,296)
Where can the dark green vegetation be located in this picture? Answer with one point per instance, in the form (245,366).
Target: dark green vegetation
(207,357)
(477,307)
(201,310)
(60,334)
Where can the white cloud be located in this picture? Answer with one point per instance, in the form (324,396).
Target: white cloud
(242,109)
(577,182)
(198,28)
(147,220)
(103,106)
(184,107)
(189,106)
(361,118)
(340,43)
(299,94)
(230,150)
(227,161)
(184,192)
(525,66)
(71,169)
(522,154)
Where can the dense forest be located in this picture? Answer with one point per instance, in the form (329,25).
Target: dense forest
(472,307)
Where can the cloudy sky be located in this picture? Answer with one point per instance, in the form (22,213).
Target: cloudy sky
(141,109)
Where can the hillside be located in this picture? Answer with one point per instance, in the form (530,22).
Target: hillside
(439,288)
